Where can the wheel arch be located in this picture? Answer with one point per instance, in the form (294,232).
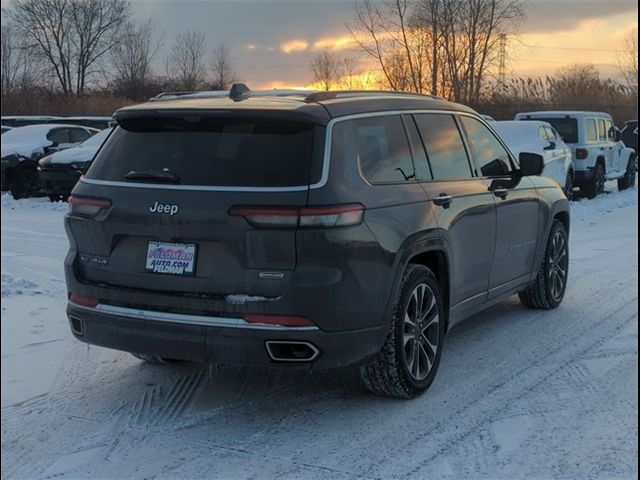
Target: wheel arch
(431,250)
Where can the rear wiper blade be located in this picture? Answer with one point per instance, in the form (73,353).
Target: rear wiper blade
(166,176)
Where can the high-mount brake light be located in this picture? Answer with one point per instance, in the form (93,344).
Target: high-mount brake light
(88,206)
(306,217)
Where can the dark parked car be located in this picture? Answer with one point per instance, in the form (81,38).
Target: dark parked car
(629,134)
(60,171)
(319,230)
(22,147)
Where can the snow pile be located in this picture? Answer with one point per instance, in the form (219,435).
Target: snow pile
(13,286)
(42,204)
(585,209)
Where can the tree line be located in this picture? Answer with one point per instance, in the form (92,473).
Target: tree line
(77,46)
(451,48)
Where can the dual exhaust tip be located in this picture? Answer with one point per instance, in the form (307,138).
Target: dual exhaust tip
(292,351)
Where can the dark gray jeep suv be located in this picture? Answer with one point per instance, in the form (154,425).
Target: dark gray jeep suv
(311,230)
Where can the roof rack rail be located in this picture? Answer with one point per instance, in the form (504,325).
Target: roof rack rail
(321,96)
(238,92)
(165,95)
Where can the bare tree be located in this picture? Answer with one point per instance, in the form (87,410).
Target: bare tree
(97,28)
(70,35)
(18,62)
(442,46)
(388,32)
(132,58)
(223,75)
(327,69)
(185,63)
(628,59)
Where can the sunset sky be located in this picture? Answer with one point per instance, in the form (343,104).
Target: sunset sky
(272,42)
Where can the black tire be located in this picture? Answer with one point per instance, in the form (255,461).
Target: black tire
(153,359)
(544,292)
(568,185)
(390,373)
(629,179)
(24,183)
(594,187)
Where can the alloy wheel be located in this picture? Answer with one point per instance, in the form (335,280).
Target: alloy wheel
(421,332)
(558,263)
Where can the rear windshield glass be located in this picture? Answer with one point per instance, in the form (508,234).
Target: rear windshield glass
(566,127)
(211,152)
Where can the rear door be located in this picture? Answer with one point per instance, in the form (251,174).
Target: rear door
(463,206)
(517,208)
(172,183)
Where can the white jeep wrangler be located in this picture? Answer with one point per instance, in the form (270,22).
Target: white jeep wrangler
(598,152)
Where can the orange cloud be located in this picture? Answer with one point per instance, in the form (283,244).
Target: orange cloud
(334,43)
(294,46)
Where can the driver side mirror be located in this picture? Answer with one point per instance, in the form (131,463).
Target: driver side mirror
(531,164)
(617,136)
(551,146)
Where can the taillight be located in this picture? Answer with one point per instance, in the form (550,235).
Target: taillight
(88,206)
(284,320)
(83,300)
(581,153)
(306,217)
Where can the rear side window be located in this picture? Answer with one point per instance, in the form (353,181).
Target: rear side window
(567,127)
(492,159)
(79,135)
(445,150)
(59,135)
(602,130)
(592,132)
(211,152)
(382,149)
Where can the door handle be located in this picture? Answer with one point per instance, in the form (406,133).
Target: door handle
(443,200)
(501,192)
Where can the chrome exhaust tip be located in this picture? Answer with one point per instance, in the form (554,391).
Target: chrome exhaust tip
(292,351)
(77,325)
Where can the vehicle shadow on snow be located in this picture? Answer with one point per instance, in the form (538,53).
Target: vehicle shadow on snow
(200,388)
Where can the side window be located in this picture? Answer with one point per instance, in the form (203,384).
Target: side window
(445,150)
(382,149)
(551,136)
(611,132)
(542,133)
(592,133)
(491,157)
(59,135)
(79,135)
(417,149)
(602,130)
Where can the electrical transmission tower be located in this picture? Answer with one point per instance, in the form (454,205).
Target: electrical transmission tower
(502,60)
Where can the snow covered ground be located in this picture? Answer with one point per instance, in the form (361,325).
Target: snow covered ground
(520,393)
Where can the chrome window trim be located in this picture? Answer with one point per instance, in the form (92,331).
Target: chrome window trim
(326,159)
(186,319)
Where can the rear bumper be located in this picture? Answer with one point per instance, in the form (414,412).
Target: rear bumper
(215,340)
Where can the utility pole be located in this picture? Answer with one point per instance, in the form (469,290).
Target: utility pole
(502,61)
